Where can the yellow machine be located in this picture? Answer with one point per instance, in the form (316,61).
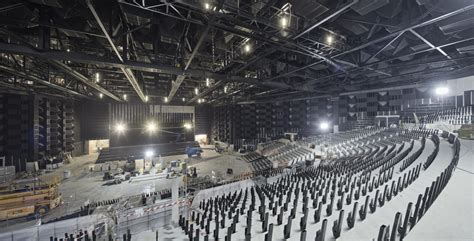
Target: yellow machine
(32,198)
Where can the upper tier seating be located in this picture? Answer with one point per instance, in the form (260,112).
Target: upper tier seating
(457,116)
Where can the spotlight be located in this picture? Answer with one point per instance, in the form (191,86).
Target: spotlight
(166,99)
(151,127)
(68,50)
(149,153)
(247,48)
(120,127)
(125,96)
(146,98)
(225,89)
(207,82)
(442,90)
(184,99)
(284,22)
(329,39)
(207,6)
(196,91)
(187,126)
(324,126)
(101,95)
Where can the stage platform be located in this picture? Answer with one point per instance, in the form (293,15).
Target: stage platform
(138,152)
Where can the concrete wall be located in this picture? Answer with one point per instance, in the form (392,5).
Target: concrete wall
(458,86)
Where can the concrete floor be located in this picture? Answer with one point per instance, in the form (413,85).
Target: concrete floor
(450,217)
(84,185)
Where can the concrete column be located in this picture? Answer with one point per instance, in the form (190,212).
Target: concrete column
(174,199)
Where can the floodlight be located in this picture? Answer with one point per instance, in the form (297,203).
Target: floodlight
(442,90)
(187,126)
(120,127)
(151,127)
(324,126)
(149,153)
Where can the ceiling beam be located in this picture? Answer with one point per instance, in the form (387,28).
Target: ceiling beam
(430,44)
(383,48)
(414,26)
(41,81)
(314,81)
(71,72)
(388,36)
(14,22)
(207,91)
(57,64)
(313,26)
(240,69)
(140,66)
(180,78)
(127,72)
(266,36)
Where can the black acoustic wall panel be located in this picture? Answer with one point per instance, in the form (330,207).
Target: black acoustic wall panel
(55,127)
(259,121)
(468,98)
(68,127)
(2,125)
(223,124)
(94,119)
(203,120)
(19,130)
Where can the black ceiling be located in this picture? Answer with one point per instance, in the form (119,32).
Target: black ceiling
(151,49)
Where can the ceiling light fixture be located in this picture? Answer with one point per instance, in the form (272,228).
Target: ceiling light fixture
(329,39)
(97,77)
(247,48)
(283,22)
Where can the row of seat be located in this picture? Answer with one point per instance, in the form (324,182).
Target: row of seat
(457,116)
(424,201)
(362,172)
